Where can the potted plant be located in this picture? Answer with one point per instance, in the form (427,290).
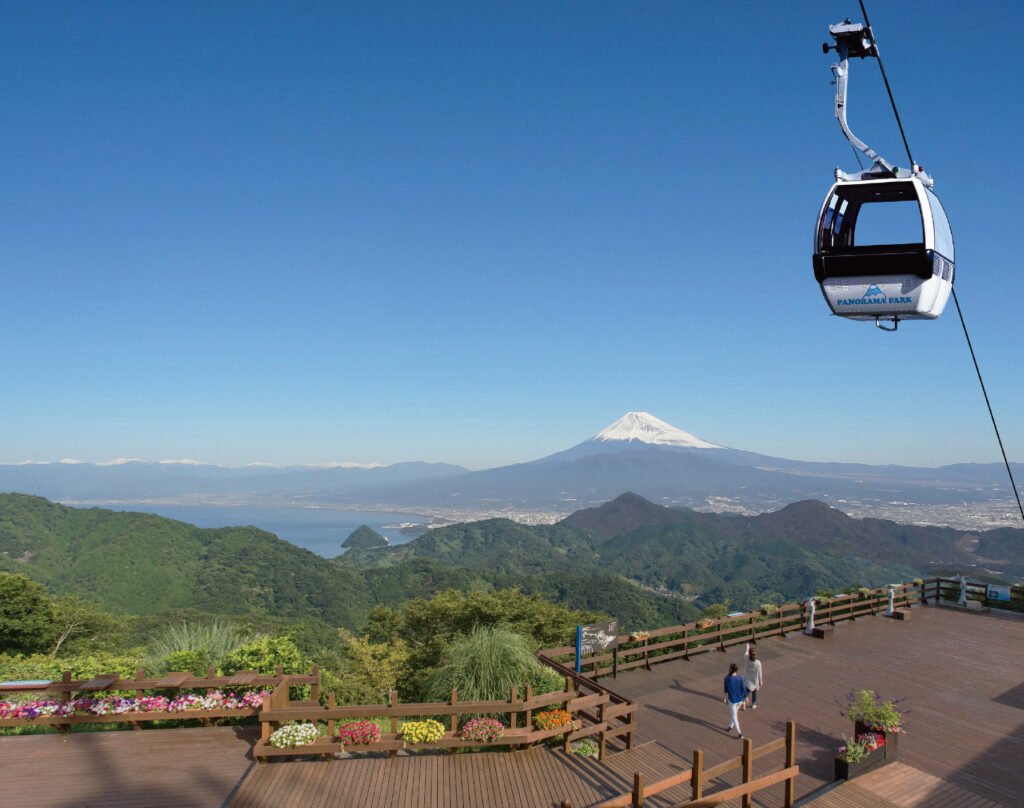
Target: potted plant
(860,755)
(871,714)
(421,732)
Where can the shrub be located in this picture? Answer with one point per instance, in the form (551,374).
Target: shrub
(294,735)
(84,666)
(192,661)
(427,731)
(486,664)
(483,730)
(196,646)
(359,733)
(264,654)
(586,748)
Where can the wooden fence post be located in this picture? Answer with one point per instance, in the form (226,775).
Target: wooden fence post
(566,743)
(392,704)
(332,725)
(453,700)
(647,660)
(65,697)
(686,644)
(638,790)
(314,689)
(697,777)
(790,797)
(513,714)
(748,768)
(528,718)
(602,740)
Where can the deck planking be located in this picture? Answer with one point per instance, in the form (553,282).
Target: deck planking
(958,672)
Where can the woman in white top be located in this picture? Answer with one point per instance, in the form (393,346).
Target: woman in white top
(752,676)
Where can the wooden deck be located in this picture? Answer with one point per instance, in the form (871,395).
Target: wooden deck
(960,674)
(165,768)
(899,786)
(535,777)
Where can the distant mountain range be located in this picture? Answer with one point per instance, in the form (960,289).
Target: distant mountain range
(638,453)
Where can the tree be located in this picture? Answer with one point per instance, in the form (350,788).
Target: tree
(79,623)
(430,626)
(373,668)
(27,620)
(264,655)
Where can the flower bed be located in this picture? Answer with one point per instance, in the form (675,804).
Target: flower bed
(120,706)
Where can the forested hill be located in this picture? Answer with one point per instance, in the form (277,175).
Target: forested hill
(815,526)
(644,564)
(136,563)
(705,557)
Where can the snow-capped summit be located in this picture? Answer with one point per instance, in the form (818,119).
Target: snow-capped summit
(644,427)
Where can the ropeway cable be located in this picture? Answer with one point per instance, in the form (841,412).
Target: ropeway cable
(963,323)
(888,89)
(988,404)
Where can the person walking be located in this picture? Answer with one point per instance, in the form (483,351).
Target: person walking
(753,677)
(735,695)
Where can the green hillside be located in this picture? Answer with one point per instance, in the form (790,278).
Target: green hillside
(134,563)
(633,558)
(142,564)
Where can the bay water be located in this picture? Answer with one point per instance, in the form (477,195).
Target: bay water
(321,530)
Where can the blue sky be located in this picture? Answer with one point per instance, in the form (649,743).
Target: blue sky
(479,232)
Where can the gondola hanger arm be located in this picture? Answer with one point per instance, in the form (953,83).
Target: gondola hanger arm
(855,40)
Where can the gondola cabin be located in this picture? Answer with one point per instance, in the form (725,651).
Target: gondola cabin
(883,250)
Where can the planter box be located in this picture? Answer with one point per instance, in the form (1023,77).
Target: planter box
(848,771)
(891,750)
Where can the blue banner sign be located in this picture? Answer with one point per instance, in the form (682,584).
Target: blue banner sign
(1000,593)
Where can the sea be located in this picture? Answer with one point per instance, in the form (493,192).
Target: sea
(321,530)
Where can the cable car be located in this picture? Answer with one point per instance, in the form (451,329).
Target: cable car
(883,248)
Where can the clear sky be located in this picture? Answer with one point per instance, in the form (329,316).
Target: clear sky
(479,232)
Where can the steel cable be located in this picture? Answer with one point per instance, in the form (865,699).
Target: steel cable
(959,311)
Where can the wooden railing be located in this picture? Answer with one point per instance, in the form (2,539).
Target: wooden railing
(948,590)
(614,719)
(698,777)
(595,711)
(67,689)
(682,641)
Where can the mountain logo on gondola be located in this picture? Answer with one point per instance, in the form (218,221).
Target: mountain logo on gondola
(874,290)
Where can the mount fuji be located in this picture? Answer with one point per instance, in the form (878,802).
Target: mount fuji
(638,453)
(647,456)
